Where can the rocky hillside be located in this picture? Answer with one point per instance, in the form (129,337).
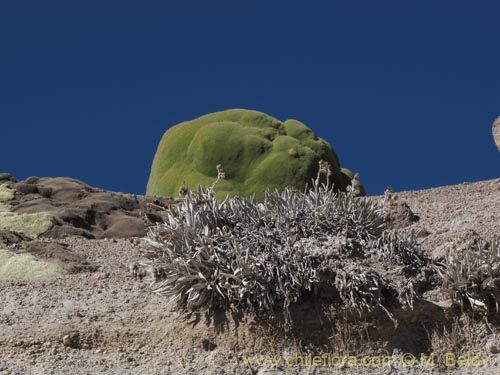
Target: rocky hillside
(74,302)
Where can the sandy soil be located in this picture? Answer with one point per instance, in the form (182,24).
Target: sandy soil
(107,322)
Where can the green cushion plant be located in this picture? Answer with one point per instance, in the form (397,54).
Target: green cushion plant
(256,151)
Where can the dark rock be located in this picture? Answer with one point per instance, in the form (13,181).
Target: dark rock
(7,177)
(8,237)
(208,345)
(31,180)
(24,188)
(66,189)
(65,231)
(123,226)
(77,218)
(72,340)
(34,206)
(45,192)
(108,201)
(98,203)
(154,218)
(80,210)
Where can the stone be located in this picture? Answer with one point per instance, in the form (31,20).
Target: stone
(492,347)
(31,180)
(7,177)
(457,244)
(124,226)
(208,345)
(67,231)
(23,188)
(71,208)
(72,340)
(8,237)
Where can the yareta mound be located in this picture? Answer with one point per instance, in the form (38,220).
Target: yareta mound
(256,151)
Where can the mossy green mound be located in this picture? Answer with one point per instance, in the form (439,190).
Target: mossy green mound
(25,267)
(256,151)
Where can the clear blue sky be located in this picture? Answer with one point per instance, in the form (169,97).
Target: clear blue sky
(406,92)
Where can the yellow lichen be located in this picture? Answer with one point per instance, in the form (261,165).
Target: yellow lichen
(25,267)
(6,194)
(31,225)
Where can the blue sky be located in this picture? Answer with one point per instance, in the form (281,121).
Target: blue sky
(406,92)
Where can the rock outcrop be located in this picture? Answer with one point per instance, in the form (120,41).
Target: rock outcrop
(65,207)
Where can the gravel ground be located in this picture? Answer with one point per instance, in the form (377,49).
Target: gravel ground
(107,322)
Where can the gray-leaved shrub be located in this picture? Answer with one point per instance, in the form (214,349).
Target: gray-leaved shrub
(473,278)
(261,258)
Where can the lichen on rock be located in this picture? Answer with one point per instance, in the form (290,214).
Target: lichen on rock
(6,194)
(25,267)
(30,224)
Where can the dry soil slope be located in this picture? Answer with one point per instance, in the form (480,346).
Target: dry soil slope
(106,322)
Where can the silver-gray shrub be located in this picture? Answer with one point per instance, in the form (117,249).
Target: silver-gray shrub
(473,278)
(261,258)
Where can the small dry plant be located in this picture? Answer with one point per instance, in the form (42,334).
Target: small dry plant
(473,278)
(240,255)
(463,335)
(351,337)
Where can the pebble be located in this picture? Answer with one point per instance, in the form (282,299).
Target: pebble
(492,347)
(101,275)
(270,371)
(71,340)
